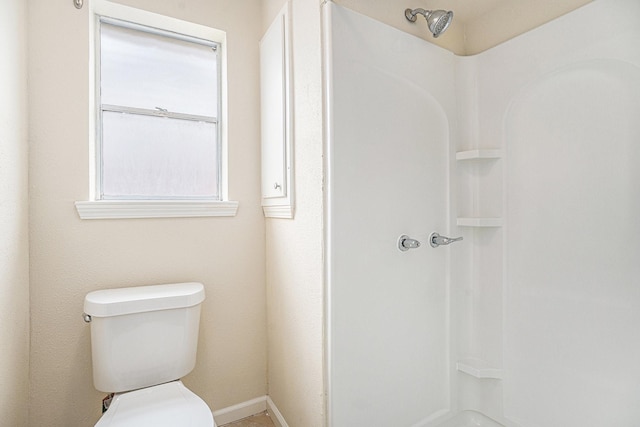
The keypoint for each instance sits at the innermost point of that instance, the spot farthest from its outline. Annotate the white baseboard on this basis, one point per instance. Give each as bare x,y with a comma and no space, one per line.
246,409
241,410
275,414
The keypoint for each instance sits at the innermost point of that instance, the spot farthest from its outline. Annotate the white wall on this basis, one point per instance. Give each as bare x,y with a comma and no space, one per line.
294,247
71,257
549,300
562,274
14,256
392,121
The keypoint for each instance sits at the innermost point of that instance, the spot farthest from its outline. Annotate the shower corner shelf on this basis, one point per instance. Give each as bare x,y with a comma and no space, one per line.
479,222
479,154
479,368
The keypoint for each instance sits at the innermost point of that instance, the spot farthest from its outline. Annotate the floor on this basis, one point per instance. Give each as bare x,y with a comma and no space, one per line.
258,420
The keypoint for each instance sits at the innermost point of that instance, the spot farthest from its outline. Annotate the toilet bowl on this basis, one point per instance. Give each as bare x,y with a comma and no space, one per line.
165,405
143,340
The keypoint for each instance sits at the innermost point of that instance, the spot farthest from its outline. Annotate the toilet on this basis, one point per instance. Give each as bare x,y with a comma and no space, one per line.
143,341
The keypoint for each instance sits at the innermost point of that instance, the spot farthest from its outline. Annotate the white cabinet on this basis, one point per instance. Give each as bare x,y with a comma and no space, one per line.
276,118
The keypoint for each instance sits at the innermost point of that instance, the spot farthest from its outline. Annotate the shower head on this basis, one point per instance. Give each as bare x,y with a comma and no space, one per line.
437,20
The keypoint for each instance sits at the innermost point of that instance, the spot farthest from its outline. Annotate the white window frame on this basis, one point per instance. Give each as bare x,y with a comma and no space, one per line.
95,208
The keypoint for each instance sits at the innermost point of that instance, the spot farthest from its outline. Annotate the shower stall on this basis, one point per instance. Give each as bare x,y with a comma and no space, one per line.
530,151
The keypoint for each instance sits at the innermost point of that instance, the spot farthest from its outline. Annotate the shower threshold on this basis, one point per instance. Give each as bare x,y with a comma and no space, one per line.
470,419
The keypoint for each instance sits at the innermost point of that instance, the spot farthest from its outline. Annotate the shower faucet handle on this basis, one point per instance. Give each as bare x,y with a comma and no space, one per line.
405,243
436,240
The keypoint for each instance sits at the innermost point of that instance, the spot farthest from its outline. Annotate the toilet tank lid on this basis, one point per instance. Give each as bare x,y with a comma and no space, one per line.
140,299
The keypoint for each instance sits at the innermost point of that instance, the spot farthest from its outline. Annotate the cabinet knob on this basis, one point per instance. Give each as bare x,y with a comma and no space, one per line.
276,186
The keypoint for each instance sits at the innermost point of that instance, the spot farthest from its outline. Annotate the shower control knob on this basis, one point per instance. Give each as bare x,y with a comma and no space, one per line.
436,240
405,243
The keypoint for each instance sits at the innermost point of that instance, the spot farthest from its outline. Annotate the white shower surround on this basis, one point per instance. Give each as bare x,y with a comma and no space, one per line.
533,319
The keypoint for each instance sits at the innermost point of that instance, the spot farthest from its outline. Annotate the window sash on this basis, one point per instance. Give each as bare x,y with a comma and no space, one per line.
159,111
153,169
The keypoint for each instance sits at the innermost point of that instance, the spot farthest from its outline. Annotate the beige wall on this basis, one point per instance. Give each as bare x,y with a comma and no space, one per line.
294,247
474,29
511,19
14,251
70,257
392,13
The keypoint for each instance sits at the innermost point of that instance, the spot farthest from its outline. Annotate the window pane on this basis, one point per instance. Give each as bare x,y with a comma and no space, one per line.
158,157
145,70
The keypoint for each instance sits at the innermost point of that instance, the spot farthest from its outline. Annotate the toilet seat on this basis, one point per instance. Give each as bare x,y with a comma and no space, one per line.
164,405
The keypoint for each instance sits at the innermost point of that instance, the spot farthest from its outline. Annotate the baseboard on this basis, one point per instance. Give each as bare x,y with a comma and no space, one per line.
246,409
275,414
241,410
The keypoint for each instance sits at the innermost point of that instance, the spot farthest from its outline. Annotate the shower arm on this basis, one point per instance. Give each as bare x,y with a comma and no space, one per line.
411,15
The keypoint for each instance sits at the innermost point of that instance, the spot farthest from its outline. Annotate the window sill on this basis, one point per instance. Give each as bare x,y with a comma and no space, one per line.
113,209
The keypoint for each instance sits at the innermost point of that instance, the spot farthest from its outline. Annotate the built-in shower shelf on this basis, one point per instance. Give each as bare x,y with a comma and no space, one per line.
479,154
479,368
480,222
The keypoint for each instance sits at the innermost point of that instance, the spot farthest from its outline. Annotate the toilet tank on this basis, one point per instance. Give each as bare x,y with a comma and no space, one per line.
143,336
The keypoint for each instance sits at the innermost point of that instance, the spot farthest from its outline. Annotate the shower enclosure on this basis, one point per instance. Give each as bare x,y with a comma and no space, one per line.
531,152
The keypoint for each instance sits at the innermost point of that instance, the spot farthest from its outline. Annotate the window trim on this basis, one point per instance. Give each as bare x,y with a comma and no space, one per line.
108,209
103,9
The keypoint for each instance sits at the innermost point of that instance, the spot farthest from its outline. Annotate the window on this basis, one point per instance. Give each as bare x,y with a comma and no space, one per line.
158,115
159,140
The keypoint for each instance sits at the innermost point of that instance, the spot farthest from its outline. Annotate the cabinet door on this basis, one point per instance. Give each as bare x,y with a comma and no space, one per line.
275,115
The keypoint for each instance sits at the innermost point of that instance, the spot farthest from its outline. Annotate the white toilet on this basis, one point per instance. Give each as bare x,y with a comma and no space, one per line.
143,340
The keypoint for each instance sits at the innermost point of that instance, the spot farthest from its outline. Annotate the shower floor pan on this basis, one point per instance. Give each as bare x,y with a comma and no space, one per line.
470,419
